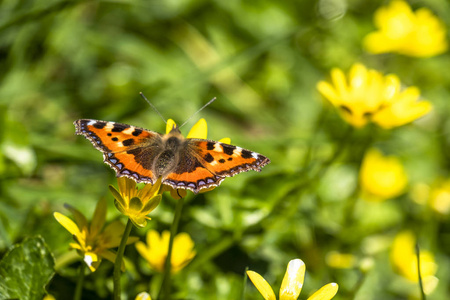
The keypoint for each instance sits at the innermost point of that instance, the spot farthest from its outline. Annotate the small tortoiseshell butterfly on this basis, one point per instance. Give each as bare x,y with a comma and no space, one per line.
145,155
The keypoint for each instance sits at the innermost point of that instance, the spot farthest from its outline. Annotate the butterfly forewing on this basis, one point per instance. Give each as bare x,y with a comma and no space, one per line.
227,160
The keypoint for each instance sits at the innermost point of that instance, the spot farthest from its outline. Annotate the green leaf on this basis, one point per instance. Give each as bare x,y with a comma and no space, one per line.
25,270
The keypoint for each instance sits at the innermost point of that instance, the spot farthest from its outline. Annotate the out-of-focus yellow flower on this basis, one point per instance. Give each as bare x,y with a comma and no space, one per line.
198,131
419,34
382,177
93,240
155,252
339,260
366,95
136,203
49,297
404,259
143,296
420,192
292,284
440,197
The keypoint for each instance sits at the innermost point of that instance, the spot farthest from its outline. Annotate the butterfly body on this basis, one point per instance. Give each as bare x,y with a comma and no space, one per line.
145,155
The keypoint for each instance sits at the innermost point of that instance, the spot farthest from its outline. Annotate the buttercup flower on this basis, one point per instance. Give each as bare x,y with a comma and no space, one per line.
155,252
440,197
339,260
292,284
366,95
404,259
198,131
143,296
382,177
136,203
419,34
93,240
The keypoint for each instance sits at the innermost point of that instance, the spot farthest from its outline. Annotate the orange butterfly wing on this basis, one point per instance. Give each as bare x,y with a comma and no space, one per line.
127,149
205,163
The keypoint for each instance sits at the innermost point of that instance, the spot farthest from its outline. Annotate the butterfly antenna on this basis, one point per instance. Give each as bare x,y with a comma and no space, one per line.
154,108
209,102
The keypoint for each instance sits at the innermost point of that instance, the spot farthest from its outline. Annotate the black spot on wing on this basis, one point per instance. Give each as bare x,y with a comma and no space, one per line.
210,146
228,149
246,153
120,127
128,142
114,139
137,132
99,125
222,160
208,158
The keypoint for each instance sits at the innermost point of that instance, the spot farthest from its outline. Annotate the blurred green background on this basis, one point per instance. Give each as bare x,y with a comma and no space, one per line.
65,60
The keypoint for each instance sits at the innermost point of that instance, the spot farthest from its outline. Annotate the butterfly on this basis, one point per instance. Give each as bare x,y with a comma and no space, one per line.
144,155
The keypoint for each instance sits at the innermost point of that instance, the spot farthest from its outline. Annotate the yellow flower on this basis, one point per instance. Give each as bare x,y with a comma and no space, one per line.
419,34
143,296
292,284
437,196
404,259
440,197
339,260
93,240
155,252
136,203
198,131
367,95
382,177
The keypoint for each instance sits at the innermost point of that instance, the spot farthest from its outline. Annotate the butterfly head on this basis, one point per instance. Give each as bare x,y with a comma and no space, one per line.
175,130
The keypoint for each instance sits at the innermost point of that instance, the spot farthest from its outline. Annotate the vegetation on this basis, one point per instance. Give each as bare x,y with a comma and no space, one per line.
348,99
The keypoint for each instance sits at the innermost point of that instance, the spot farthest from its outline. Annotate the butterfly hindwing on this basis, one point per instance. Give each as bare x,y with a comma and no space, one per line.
190,173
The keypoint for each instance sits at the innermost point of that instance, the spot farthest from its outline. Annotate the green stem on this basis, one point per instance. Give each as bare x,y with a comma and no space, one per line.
244,283
118,262
164,292
418,272
79,287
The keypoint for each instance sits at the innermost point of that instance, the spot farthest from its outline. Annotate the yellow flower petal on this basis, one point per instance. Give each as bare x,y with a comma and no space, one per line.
143,296
67,223
293,280
329,93
199,130
80,219
404,258
170,125
225,140
340,260
155,252
92,260
382,177
326,292
440,197
183,251
261,285
340,82
419,34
